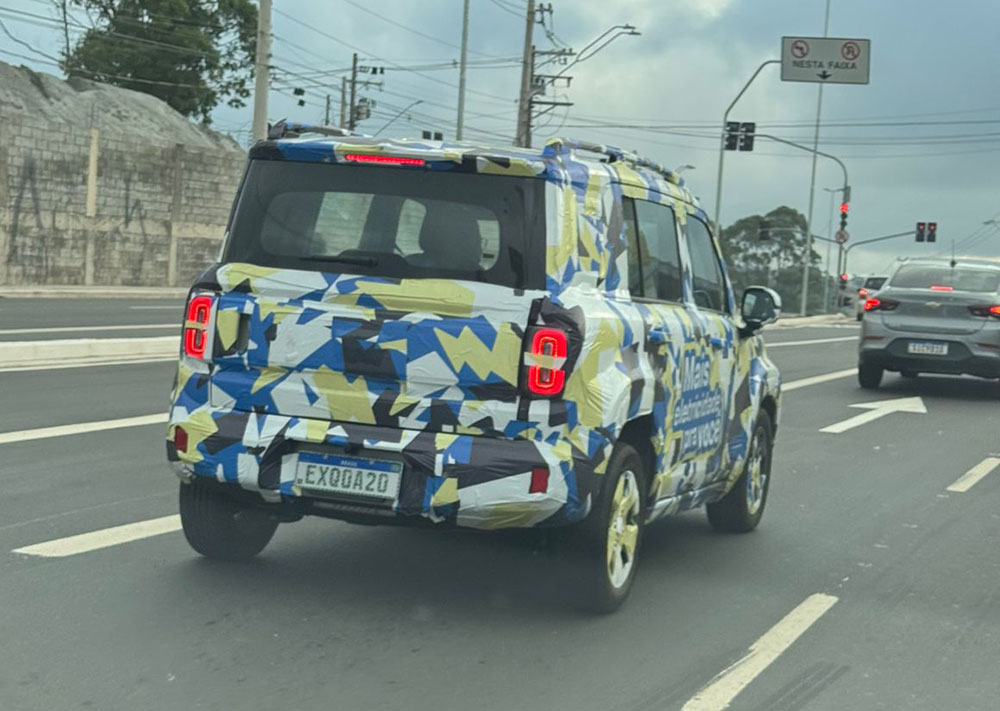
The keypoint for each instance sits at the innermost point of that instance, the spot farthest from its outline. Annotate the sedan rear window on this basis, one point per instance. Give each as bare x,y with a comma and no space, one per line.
392,222
929,276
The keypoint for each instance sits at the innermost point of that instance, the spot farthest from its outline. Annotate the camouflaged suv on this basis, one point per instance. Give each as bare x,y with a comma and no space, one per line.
414,332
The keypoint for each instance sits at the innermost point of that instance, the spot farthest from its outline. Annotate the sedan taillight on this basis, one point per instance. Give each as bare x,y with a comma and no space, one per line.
199,311
985,310
876,304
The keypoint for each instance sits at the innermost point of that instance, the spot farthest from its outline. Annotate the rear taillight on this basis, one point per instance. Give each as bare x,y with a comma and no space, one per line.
545,359
876,304
985,311
199,311
936,287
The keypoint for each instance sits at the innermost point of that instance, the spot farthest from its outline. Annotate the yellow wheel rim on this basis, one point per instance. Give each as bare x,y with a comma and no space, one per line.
623,529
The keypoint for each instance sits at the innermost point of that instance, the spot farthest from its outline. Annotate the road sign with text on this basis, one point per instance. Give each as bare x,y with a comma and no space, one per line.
826,60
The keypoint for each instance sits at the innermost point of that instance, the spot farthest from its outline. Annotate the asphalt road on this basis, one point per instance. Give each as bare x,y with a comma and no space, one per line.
45,319
336,616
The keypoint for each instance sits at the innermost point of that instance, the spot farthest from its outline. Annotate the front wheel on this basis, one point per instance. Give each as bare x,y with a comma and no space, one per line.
741,509
869,376
217,526
603,549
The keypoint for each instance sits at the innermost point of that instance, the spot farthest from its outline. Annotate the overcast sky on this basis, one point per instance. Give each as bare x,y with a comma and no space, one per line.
931,62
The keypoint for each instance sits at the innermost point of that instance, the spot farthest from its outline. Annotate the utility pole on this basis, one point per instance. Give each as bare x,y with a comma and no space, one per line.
343,102
262,71
65,21
461,71
326,115
807,258
527,70
352,111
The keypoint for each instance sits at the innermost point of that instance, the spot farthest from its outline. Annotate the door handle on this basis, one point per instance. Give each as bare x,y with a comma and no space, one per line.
657,335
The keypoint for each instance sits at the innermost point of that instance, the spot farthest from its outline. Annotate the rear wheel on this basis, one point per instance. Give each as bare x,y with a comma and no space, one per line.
858,316
869,376
741,509
603,549
217,526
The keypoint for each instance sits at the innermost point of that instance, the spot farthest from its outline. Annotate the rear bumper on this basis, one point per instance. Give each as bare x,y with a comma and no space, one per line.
962,358
449,479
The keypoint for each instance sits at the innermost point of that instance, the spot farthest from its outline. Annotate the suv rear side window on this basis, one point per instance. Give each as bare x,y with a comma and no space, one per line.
709,286
661,264
392,222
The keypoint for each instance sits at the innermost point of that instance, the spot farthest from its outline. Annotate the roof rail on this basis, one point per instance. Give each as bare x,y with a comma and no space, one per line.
614,155
293,129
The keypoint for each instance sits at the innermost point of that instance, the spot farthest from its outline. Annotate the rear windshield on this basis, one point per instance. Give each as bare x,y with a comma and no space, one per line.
874,282
392,222
926,276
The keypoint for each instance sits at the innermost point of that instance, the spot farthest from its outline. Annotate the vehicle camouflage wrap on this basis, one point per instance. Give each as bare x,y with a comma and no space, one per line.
427,371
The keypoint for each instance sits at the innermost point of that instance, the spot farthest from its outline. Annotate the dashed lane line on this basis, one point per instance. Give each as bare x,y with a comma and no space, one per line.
817,379
81,329
810,342
104,538
81,428
974,475
721,691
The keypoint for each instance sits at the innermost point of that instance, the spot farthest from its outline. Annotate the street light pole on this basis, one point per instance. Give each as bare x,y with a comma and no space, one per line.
722,142
847,251
807,258
829,232
461,72
262,71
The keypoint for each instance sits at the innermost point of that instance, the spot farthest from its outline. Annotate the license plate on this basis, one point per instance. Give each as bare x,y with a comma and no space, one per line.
353,476
925,348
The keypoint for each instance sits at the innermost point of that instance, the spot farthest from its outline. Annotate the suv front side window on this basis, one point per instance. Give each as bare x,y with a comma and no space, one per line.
706,274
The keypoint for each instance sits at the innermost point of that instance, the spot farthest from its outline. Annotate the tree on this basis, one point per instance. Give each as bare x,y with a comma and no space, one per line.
776,262
192,54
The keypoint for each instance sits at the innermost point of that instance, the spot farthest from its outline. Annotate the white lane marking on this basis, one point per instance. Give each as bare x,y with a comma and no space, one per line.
877,409
972,477
782,344
84,363
81,428
81,329
817,379
725,687
105,538
175,307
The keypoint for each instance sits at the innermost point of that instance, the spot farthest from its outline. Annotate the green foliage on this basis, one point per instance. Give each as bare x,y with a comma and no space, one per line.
192,54
777,262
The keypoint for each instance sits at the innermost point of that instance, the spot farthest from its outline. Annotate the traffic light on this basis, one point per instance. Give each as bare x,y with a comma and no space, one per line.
732,135
844,278
747,131
844,208
922,231
932,232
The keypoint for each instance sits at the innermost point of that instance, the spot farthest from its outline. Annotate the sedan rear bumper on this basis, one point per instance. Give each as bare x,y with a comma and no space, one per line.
960,360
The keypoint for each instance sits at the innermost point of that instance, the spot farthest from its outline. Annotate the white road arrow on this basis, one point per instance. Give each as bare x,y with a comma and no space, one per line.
877,409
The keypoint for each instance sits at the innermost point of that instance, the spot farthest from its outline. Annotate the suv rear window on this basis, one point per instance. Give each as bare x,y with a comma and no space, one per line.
874,282
925,276
392,222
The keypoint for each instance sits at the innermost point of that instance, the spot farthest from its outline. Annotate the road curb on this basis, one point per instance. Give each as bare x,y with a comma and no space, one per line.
77,351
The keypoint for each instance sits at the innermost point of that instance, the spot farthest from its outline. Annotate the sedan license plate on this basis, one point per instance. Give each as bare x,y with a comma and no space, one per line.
927,348
354,476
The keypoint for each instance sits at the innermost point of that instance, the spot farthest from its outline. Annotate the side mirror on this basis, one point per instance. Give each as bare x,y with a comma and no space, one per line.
760,306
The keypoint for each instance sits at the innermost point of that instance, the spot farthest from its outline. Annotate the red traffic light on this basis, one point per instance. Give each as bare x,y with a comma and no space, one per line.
845,277
844,207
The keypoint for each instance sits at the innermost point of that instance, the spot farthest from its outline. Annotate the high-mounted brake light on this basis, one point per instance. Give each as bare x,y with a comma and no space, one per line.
550,343
383,160
942,288
199,311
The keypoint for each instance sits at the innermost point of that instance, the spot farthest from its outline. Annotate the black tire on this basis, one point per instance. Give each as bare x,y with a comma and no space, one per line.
858,316
909,374
869,376
740,510
217,526
586,544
